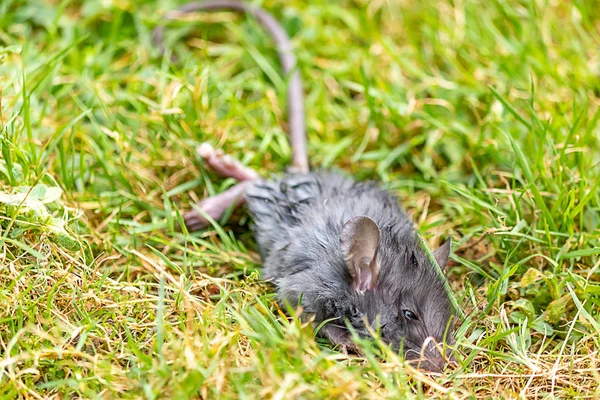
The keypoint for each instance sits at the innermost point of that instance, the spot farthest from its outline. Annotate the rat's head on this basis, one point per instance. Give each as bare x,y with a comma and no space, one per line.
395,285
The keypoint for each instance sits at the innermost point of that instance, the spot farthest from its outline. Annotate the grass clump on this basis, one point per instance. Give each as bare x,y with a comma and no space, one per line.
483,116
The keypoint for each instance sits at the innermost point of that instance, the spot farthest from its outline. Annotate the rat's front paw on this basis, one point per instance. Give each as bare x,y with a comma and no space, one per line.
341,339
349,348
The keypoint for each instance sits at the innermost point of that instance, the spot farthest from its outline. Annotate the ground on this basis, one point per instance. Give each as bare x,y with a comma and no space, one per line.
481,115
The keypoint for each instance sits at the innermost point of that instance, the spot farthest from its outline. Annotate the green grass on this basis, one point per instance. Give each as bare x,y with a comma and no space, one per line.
481,115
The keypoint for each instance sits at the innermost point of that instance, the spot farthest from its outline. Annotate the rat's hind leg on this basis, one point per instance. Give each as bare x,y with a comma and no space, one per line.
225,165
215,206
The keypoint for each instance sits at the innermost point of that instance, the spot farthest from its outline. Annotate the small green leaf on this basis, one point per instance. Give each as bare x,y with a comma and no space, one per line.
16,233
15,172
15,49
539,325
524,305
38,192
531,276
67,242
52,194
557,309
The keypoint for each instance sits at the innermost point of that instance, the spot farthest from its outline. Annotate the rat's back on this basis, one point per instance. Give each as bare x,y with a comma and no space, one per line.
298,218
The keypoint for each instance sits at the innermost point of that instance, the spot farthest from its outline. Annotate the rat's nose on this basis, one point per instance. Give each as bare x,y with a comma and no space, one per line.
433,361
432,364
451,357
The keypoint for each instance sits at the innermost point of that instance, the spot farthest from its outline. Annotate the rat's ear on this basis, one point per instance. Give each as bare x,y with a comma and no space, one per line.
442,253
359,242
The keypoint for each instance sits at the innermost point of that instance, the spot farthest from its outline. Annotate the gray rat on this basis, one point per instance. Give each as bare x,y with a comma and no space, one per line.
341,248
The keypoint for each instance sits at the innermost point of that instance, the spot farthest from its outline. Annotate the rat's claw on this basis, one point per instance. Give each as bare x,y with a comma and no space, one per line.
205,150
228,160
343,349
194,221
349,348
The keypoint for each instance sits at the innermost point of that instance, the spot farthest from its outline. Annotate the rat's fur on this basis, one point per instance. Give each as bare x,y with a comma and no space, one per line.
298,220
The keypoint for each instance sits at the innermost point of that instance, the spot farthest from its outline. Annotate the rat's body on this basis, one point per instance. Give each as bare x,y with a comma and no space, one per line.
299,220
342,249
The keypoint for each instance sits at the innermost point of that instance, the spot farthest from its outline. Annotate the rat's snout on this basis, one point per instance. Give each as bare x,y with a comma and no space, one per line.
434,362
430,364
451,357
432,359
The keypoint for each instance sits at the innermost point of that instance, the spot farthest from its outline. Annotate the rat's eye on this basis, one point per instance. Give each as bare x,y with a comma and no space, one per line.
409,315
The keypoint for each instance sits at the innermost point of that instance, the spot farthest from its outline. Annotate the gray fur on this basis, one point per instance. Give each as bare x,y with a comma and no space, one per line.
298,221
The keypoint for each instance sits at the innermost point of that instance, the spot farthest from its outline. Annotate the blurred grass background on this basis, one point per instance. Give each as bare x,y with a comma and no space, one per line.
481,115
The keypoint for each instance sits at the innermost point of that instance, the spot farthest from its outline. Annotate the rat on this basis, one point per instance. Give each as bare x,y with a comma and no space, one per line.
342,249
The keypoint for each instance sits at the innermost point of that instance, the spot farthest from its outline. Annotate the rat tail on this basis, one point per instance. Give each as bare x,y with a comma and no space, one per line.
297,128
